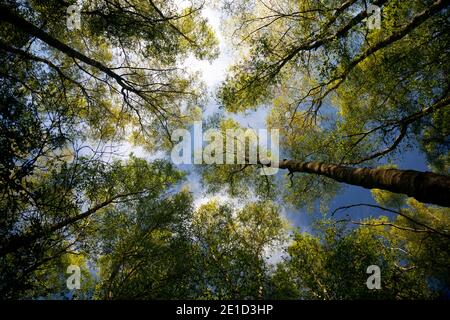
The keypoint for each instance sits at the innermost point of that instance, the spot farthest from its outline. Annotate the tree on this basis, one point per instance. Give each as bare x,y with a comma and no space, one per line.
333,264
162,248
67,99
427,187
99,69
37,242
341,93
145,249
347,99
232,248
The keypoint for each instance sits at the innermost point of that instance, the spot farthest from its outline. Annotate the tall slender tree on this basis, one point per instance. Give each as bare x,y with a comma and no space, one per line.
346,97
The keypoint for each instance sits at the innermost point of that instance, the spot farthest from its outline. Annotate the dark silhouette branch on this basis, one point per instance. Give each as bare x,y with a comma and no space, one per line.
403,124
430,229
19,242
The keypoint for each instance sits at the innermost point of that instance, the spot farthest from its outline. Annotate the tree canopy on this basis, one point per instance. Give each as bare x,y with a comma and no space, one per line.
87,117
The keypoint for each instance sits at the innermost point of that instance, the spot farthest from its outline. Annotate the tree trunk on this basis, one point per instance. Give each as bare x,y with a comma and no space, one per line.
425,187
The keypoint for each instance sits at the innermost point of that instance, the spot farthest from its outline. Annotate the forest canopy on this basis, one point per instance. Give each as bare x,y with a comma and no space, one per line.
93,92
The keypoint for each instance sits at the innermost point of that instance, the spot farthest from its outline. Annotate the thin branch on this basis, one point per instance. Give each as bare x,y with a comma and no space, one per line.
392,211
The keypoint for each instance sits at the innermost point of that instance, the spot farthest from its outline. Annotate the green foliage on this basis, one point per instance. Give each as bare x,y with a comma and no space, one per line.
144,251
72,101
333,265
165,249
231,247
346,97
59,114
238,180
435,142
388,199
